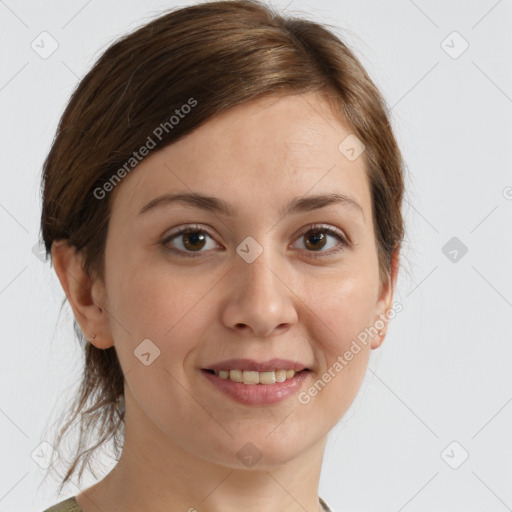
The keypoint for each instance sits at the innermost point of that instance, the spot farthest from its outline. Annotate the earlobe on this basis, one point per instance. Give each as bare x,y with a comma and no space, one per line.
78,287
378,340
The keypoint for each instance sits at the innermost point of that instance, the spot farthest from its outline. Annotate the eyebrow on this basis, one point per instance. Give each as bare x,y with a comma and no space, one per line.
216,205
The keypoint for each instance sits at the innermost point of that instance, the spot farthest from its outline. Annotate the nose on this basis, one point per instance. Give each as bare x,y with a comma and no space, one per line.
259,300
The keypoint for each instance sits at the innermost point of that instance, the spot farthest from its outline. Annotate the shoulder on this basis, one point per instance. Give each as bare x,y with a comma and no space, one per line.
68,505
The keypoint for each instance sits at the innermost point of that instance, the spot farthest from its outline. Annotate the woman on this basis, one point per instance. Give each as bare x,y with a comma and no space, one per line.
222,206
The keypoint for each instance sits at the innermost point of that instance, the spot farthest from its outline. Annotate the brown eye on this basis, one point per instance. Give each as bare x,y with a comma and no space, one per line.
188,241
316,239
194,240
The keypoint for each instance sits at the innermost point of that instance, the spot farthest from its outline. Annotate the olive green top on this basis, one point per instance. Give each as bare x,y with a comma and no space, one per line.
71,505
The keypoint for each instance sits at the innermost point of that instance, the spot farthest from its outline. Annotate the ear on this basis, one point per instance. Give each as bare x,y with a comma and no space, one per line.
385,302
86,297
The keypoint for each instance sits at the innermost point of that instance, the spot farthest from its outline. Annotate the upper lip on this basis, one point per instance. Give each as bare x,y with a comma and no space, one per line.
256,366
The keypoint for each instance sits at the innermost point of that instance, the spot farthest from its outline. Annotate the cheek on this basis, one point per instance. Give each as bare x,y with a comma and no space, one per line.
164,308
345,305
167,307
343,308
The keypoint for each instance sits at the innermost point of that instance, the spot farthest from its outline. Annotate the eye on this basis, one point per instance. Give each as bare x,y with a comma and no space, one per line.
193,239
317,239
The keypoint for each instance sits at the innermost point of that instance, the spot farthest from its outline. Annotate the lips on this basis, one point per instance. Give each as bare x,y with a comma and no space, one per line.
257,394
256,366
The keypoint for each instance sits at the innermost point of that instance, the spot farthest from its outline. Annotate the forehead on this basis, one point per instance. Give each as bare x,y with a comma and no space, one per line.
268,149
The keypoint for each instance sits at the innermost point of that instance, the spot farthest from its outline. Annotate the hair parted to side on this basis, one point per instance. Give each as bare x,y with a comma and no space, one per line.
222,54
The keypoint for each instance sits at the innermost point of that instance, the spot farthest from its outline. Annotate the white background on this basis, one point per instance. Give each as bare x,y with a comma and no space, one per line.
443,373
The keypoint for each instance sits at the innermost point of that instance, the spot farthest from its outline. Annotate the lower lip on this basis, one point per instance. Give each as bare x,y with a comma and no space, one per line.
258,394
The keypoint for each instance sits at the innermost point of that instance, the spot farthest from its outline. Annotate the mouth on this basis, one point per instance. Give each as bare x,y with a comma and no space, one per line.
255,388
252,377
251,371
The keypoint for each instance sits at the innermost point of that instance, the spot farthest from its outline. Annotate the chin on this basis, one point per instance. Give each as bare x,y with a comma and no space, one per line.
259,450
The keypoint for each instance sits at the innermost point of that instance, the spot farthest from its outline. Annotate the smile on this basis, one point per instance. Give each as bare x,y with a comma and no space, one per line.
253,377
253,389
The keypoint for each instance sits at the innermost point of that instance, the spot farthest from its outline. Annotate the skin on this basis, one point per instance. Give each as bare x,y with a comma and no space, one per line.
182,434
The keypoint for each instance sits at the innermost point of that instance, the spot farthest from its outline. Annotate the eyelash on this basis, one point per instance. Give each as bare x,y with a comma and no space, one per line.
315,228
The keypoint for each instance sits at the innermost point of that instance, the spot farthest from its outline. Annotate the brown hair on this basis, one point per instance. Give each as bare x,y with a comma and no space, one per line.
221,53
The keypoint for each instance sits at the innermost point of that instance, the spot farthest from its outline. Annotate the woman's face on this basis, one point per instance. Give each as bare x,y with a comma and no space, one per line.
256,282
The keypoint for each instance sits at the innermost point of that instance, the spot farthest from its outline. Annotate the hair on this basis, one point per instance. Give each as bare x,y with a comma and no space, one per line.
222,54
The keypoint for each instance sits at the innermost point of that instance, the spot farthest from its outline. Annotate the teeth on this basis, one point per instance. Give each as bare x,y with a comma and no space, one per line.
280,375
251,377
